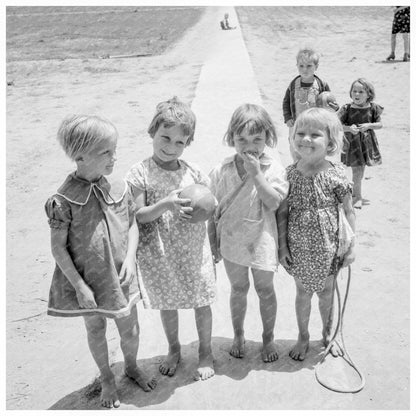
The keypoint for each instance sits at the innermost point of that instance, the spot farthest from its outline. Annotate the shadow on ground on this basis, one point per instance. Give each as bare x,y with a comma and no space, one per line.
87,398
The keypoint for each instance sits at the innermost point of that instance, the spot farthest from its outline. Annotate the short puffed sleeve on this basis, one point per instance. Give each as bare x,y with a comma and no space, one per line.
377,111
58,211
342,185
136,176
213,180
277,178
343,113
203,179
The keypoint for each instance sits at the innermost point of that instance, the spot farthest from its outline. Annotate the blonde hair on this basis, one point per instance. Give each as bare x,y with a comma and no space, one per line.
171,113
324,120
256,119
308,54
78,133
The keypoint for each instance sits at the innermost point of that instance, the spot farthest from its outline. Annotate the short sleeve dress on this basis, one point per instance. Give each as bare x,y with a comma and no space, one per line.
362,148
312,229
174,255
246,227
97,217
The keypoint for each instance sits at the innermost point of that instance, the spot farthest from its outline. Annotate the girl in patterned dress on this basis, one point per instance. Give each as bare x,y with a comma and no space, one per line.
174,254
308,219
94,238
249,187
360,118
401,24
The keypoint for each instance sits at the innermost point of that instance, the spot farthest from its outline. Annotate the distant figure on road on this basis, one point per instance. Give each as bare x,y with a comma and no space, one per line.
401,24
225,25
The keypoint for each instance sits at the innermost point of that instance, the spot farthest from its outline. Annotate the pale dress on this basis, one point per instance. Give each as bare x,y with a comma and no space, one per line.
174,255
246,229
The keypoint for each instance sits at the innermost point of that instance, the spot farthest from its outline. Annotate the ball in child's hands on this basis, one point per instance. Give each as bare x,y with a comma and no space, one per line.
202,201
327,100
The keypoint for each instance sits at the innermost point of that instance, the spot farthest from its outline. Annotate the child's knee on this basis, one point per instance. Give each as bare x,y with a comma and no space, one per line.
240,288
265,291
96,327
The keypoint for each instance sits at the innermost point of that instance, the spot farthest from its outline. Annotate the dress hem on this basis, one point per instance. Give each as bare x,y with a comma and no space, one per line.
120,313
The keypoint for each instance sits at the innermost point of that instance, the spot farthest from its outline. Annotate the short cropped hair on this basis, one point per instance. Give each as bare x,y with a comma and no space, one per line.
307,54
368,86
171,113
79,133
256,119
324,120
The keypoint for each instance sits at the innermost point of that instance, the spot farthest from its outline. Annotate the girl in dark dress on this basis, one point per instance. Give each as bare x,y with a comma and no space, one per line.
94,237
360,118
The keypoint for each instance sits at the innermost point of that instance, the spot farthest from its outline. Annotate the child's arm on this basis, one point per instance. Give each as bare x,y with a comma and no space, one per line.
212,235
59,240
350,215
151,212
269,196
369,126
284,254
351,129
128,269
287,112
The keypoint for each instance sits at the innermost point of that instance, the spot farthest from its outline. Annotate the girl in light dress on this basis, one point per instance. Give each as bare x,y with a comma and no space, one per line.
94,238
249,187
174,254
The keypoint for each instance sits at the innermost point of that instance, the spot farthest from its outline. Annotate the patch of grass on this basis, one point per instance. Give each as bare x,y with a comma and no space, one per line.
36,33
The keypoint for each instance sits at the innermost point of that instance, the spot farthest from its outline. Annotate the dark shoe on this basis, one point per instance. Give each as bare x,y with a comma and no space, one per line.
391,57
406,57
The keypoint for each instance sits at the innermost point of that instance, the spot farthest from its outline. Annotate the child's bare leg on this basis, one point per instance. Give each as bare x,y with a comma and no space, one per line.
128,329
326,308
263,282
303,312
203,318
96,328
170,325
357,178
238,276
406,41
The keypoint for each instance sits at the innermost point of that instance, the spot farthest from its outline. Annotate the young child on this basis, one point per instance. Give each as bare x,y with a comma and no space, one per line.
304,89
174,254
94,237
249,187
308,220
360,118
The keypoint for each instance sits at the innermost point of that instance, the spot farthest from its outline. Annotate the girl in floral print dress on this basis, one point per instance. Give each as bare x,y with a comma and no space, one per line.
308,220
174,254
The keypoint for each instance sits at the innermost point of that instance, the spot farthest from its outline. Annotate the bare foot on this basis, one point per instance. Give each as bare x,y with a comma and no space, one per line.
358,204
143,380
300,349
238,348
109,397
205,367
168,367
335,350
269,352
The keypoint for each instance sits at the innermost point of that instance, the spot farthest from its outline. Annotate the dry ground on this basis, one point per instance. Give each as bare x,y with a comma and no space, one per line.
48,363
